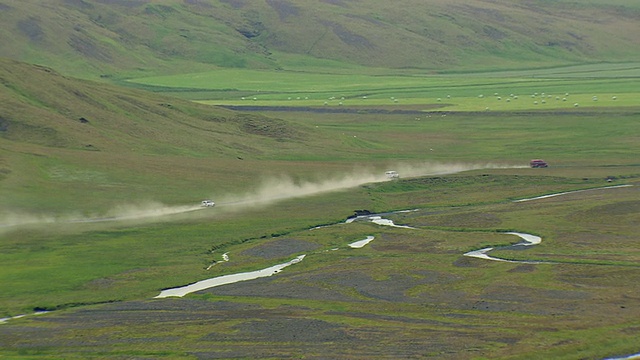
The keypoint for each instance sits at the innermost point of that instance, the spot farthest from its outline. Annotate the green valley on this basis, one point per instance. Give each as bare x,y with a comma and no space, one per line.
119,117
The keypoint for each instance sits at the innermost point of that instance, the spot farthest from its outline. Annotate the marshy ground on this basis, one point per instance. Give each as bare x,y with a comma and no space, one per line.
410,293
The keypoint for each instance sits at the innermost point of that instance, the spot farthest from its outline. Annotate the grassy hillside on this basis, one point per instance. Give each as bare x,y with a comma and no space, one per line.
63,139
138,37
45,108
64,136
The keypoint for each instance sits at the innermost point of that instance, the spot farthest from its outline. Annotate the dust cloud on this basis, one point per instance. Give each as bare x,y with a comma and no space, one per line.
147,210
129,212
276,189
270,191
23,219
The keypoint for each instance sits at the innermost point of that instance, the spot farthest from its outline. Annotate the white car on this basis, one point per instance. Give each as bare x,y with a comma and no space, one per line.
208,203
392,174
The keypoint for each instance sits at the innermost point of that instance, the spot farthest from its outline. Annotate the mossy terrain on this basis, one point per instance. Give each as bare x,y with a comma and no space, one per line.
384,299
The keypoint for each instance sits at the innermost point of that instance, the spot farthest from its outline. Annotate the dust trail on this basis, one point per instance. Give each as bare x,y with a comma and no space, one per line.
18,219
270,191
129,212
14,220
142,211
283,188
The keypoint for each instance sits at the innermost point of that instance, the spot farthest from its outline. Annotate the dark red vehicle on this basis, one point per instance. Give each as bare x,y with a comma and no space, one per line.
538,163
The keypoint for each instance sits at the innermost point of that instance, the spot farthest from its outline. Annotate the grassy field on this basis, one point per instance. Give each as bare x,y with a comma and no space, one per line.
355,302
100,231
597,85
583,305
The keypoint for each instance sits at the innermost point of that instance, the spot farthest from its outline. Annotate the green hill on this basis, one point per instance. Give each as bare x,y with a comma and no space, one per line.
114,38
60,135
42,107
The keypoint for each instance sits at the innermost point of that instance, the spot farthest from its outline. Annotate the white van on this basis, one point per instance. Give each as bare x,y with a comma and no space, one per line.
208,203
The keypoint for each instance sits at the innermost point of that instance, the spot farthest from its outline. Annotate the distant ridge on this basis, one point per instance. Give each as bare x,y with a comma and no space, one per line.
92,38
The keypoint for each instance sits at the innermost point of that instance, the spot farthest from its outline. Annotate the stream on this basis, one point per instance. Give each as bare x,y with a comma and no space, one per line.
226,279
528,240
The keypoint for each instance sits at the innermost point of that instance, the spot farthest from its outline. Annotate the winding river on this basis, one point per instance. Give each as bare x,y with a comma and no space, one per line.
528,240
226,279
361,243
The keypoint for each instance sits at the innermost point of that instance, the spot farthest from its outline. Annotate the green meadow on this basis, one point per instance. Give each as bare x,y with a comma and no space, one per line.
99,215
283,194
603,85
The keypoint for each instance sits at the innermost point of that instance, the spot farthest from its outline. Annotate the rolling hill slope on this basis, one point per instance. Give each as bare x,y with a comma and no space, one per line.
42,107
66,138
114,38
